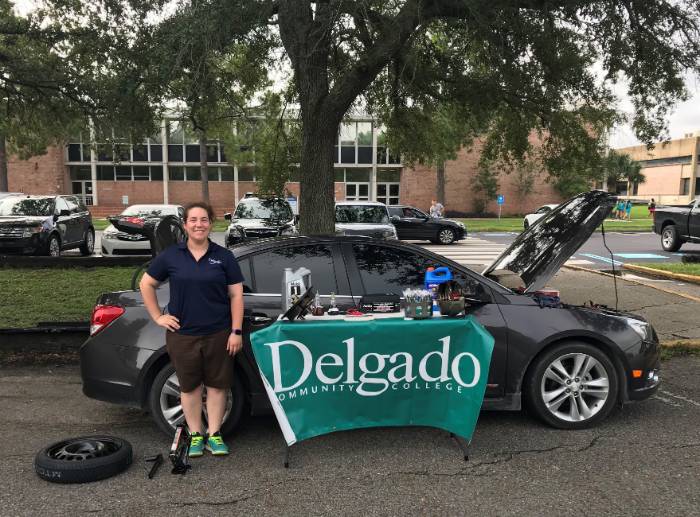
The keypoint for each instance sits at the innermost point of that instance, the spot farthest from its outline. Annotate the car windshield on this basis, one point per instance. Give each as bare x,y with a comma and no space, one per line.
149,211
25,206
272,209
363,214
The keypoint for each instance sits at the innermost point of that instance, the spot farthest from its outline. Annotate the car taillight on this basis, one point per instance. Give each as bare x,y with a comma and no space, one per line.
103,315
138,221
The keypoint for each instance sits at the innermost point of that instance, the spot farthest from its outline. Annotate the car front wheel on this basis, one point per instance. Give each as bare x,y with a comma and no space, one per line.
88,245
572,386
670,241
166,408
446,236
53,248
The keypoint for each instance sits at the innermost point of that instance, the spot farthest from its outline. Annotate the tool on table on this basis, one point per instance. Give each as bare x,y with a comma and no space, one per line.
179,451
157,461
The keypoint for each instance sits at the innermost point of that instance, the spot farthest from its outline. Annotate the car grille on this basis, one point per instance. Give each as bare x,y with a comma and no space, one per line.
122,236
257,233
131,252
11,232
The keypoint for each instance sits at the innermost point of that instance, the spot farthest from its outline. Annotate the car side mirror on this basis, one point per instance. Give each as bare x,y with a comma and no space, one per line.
227,216
62,213
475,294
394,218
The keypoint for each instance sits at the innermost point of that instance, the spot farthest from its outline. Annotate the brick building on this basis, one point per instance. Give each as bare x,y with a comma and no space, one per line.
165,169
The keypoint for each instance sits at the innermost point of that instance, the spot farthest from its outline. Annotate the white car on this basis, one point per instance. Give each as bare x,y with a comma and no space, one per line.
531,219
364,218
116,243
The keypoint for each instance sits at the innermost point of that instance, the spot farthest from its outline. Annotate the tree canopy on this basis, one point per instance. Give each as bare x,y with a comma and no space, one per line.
527,77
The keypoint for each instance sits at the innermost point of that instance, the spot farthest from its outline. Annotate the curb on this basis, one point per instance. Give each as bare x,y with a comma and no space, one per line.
667,291
659,273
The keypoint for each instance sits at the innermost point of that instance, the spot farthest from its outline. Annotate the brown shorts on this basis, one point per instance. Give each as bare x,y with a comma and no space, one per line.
201,359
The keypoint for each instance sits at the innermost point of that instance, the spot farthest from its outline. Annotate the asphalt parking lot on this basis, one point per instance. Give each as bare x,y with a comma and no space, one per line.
642,460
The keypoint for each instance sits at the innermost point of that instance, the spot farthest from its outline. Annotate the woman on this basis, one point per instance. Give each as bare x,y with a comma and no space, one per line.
203,323
651,207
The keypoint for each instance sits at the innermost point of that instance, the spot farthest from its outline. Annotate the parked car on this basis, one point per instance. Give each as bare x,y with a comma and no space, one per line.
256,218
531,219
571,364
45,225
119,243
412,224
367,218
677,225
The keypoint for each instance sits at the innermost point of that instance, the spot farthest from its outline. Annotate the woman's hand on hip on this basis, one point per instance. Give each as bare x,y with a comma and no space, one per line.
234,344
168,321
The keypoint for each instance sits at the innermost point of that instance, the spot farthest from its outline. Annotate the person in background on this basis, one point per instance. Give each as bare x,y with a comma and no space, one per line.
619,209
204,322
436,208
651,207
628,210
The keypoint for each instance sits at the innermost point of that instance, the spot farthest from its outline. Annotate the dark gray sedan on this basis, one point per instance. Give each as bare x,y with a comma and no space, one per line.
572,365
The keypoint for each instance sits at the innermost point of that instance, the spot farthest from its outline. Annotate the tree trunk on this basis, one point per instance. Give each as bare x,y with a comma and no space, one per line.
317,196
204,168
3,165
440,186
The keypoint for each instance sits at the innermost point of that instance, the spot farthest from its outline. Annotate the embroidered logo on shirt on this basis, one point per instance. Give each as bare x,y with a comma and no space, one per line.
214,261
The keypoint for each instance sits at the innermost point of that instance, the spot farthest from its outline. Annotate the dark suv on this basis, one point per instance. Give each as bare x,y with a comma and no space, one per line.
45,225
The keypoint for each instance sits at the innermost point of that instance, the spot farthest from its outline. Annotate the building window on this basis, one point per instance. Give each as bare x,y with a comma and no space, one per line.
357,175
685,186
364,142
193,174
123,172
176,174
388,193
697,186
348,134
74,153
357,191
157,173
226,173
80,172
105,172
621,188
388,175
246,173
141,173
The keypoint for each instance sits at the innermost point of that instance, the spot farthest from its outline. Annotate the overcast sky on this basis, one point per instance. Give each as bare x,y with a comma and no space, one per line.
684,119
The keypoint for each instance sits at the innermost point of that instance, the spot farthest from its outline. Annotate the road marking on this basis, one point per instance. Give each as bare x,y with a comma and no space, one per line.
667,401
640,256
578,262
602,259
681,397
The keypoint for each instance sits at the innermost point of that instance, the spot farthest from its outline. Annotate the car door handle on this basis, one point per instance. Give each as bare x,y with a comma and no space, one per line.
259,319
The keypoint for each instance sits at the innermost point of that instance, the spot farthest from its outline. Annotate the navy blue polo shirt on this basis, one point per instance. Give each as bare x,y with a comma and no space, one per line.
198,290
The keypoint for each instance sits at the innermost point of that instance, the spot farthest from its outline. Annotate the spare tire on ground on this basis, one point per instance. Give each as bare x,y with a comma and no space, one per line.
83,459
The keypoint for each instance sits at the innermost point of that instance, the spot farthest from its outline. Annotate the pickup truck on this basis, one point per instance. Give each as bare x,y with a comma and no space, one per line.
677,225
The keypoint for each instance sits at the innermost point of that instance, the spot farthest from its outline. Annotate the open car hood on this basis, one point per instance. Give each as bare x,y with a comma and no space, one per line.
162,231
538,252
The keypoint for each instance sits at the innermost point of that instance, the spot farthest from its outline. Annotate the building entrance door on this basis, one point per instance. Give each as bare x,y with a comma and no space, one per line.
83,189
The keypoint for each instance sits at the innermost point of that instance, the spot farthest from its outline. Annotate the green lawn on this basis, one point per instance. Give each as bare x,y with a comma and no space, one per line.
31,296
685,269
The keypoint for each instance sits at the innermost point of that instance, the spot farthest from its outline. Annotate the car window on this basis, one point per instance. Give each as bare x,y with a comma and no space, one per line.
395,211
361,214
415,213
269,268
72,204
61,205
272,209
384,269
244,264
26,206
543,210
180,212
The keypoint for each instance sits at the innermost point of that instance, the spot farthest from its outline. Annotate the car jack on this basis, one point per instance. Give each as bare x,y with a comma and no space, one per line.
179,451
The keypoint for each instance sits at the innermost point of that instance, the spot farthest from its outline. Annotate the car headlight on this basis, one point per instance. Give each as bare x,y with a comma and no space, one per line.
288,230
234,231
109,236
389,234
642,328
31,230
461,224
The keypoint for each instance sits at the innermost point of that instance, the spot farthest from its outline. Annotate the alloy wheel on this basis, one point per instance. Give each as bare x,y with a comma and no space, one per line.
446,236
54,248
82,449
667,238
90,242
575,387
171,406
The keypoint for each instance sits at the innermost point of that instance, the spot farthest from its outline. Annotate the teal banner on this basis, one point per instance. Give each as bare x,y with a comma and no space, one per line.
326,376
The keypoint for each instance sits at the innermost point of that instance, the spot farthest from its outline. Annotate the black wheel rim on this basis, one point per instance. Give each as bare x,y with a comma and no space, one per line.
82,449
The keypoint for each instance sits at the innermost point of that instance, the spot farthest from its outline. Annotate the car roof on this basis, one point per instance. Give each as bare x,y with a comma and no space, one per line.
354,203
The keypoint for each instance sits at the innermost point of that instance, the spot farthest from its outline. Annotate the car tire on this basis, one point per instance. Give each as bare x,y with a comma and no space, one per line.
445,236
165,396
88,245
566,398
53,247
83,459
670,241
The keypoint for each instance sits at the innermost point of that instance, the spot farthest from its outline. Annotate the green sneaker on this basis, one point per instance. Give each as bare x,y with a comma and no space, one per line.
215,445
196,445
